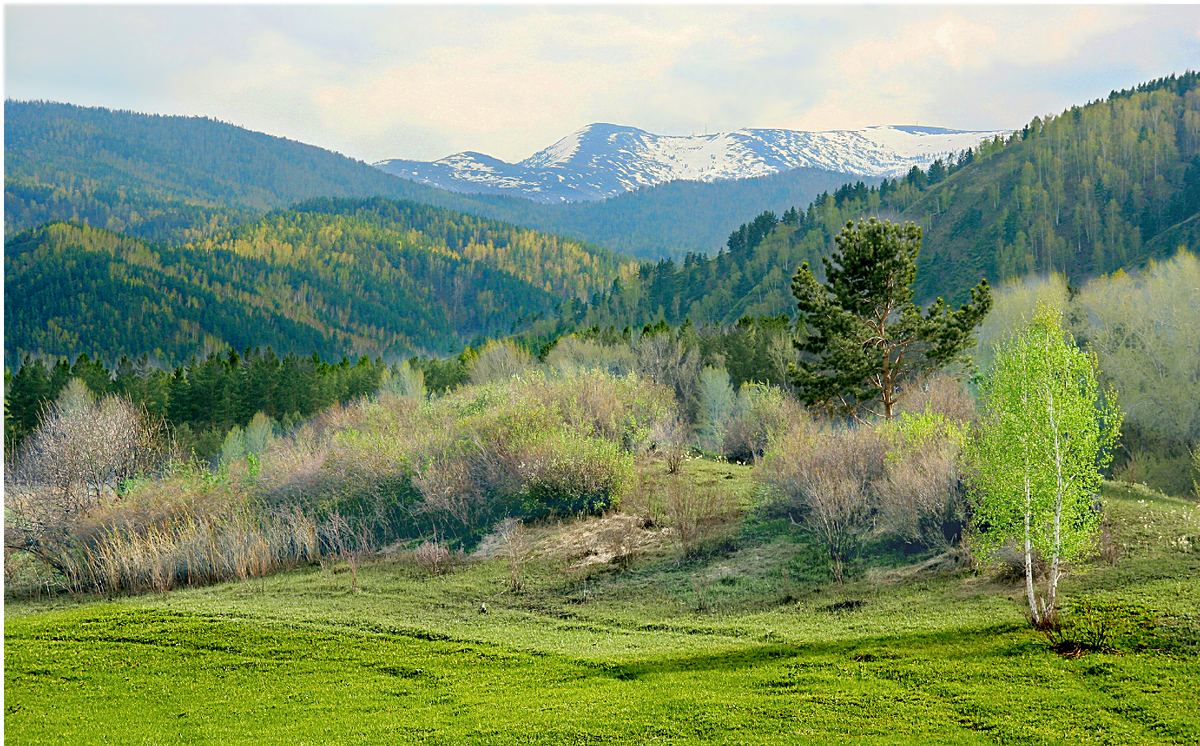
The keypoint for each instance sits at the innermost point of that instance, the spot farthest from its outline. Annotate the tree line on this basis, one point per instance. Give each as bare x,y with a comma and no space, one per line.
201,401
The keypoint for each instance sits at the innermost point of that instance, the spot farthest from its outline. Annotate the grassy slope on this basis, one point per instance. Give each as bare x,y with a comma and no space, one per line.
606,656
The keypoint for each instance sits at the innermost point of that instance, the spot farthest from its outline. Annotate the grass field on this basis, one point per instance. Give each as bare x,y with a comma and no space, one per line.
747,641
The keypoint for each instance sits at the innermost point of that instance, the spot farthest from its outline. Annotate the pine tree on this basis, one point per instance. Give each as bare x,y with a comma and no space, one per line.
866,339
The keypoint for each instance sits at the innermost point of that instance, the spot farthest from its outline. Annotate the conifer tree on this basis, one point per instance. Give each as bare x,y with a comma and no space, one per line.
866,340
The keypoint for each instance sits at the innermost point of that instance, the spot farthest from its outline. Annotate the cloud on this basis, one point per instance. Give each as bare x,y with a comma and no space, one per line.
424,81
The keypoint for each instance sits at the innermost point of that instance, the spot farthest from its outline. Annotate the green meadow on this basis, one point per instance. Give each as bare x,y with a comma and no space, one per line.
744,640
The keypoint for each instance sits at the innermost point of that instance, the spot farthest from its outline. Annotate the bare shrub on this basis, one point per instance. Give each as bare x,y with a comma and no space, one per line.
1010,564
696,511
644,501
827,478
514,542
921,498
621,537
433,557
500,361
666,361
620,409
196,548
940,394
79,459
448,487
670,437
761,414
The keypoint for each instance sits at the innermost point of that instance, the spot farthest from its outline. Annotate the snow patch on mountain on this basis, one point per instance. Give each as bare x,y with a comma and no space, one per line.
604,160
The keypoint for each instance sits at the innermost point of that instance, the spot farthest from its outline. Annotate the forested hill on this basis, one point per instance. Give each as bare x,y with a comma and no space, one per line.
1100,187
335,277
1096,188
176,179
193,159
168,178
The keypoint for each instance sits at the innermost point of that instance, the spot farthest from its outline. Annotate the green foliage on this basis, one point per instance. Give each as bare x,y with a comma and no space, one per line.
1108,625
866,339
1146,337
119,157
911,432
297,281
570,474
1041,452
755,349
1141,327
1013,304
1091,190
204,400
717,404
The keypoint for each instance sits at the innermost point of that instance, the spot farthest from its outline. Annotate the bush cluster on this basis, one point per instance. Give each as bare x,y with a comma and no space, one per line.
356,476
848,485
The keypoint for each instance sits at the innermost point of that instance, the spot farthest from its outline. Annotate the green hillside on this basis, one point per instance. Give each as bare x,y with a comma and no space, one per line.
1101,187
175,179
1094,189
349,277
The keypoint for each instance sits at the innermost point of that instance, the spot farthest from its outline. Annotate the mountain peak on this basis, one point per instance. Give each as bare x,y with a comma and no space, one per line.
603,160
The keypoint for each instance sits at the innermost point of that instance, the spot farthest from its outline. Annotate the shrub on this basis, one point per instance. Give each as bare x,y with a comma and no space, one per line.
921,497
695,511
432,557
569,473
620,409
514,544
572,356
666,361
80,459
1092,624
500,361
940,395
762,413
404,381
716,407
670,437
827,478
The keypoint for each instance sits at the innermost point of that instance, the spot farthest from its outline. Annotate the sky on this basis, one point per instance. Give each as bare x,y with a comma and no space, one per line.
424,81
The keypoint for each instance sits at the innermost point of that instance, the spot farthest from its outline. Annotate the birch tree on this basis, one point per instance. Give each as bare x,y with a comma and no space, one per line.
1040,453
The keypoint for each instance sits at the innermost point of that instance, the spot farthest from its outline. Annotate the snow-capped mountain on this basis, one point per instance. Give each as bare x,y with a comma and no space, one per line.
604,160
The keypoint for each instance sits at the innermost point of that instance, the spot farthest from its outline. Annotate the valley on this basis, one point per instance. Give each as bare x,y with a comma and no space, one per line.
767,436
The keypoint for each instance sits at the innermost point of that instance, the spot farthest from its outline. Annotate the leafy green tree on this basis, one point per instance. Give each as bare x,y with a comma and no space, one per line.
866,339
1039,456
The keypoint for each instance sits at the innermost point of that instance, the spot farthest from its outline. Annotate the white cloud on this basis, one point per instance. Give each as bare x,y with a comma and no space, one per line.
424,81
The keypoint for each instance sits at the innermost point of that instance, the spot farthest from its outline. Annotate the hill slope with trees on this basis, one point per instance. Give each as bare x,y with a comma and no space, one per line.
371,277
1101,187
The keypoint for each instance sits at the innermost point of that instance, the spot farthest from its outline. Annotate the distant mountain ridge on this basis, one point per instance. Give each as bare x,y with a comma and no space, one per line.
606,160
177,179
